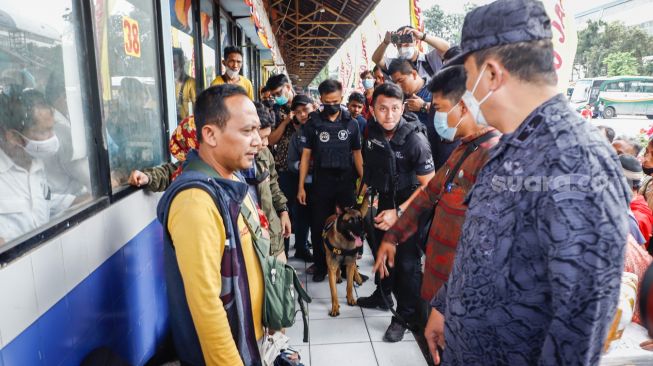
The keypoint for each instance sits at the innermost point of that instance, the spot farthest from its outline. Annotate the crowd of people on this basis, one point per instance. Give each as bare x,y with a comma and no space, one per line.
525,215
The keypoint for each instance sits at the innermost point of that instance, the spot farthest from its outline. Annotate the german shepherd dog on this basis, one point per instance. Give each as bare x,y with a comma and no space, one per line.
342,238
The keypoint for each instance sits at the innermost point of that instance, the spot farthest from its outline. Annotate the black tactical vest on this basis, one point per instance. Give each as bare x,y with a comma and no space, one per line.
333,142
380,171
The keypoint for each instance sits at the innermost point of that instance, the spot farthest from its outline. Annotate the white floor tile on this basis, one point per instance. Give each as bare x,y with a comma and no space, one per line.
375,312
296,332
376,326
351,354
401,353
343,330
320,308
321,290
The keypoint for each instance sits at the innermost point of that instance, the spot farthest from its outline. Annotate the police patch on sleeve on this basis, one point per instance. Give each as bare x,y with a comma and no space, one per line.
343,134
324,136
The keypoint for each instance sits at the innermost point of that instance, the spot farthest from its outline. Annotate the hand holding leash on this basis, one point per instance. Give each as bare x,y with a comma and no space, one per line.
387,252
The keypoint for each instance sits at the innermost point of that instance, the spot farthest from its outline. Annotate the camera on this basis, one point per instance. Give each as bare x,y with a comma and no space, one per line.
397,38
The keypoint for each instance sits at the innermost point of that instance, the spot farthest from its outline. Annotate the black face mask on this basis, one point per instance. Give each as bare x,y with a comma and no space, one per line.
648,171
331,109
269,103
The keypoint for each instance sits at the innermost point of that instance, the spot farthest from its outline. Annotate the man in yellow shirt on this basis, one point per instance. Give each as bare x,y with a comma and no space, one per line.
213,274
233,62
185,88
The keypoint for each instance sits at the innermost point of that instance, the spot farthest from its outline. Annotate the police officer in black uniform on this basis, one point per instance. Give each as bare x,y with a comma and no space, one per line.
398,161
334,143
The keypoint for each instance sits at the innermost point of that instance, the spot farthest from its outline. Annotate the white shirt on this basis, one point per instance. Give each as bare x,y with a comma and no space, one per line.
26,202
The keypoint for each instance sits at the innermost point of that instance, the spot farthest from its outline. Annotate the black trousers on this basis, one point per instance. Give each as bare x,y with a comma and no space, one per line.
405,279
329,190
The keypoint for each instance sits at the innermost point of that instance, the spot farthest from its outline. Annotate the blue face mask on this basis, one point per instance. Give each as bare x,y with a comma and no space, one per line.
281,100
368,84
442,126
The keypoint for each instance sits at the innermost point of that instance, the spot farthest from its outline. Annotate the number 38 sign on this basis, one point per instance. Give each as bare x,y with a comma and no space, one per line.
131,38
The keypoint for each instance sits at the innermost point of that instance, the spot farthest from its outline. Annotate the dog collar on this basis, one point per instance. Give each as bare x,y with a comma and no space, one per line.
334,250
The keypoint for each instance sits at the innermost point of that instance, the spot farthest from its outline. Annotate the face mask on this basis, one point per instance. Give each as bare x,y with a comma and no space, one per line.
648,171
281,100
368,84
231,73
331,109
473,104
442,126
268,103
406,53
41,149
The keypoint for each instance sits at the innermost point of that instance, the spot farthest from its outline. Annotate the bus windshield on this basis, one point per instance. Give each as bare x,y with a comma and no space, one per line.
581,91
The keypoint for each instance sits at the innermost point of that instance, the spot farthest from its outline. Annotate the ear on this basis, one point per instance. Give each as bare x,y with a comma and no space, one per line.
495,71
463,107
339,210
13,137
209,136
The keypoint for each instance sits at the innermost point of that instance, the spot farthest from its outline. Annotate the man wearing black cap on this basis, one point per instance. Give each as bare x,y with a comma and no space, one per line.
538,266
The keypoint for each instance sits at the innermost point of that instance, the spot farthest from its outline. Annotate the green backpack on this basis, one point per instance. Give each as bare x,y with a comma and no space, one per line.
282,286
281,281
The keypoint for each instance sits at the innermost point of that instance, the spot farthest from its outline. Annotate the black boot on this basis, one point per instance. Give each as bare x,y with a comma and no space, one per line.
395,331
304,254
375,301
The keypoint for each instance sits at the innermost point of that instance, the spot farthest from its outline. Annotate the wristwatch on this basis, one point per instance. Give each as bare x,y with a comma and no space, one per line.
399,212
423,109
283,209
423,36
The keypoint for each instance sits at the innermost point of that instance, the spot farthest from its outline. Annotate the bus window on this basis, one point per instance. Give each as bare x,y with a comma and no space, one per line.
46,159
581,91
208,41
183,43
130,85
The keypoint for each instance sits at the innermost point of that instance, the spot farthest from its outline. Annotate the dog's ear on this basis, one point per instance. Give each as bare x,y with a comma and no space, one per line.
339,210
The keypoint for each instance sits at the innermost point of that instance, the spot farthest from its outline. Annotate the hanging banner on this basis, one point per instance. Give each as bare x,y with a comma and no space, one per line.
416,20
565,41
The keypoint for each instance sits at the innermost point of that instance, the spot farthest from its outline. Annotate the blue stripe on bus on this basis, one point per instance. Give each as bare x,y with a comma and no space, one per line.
121,305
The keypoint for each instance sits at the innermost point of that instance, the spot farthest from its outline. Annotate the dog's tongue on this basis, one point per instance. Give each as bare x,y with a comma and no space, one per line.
359,241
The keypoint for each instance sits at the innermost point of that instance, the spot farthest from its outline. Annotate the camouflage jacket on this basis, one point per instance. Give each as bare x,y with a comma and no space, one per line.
271,198
159,176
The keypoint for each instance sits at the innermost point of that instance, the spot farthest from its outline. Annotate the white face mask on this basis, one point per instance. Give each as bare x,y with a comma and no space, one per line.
232,73
407,53
41,149
473,104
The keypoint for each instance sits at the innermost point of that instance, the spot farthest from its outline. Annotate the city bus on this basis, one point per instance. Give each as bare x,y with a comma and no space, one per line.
622,95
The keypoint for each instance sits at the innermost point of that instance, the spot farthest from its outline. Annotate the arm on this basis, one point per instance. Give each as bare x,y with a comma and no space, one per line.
423,182
275,136
303,172
583,235
199,265
279,200
377,56
438,43
358,162
158,177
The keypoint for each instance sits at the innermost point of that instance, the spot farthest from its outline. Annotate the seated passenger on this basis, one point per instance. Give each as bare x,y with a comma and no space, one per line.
26,137
213,274
185,88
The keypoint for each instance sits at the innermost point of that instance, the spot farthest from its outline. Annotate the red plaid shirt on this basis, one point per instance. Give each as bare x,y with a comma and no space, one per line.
449,214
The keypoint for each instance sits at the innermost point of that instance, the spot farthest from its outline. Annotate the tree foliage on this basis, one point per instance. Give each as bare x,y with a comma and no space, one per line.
443,25
602,46
621,63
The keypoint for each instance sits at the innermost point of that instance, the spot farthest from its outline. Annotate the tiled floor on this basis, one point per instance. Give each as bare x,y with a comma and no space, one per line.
355,336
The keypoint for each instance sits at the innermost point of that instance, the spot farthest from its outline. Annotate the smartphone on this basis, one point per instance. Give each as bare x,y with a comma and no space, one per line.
397,38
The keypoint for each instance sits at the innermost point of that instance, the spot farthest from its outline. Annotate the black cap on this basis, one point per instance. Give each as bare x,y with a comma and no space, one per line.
300,99
503,22
631,168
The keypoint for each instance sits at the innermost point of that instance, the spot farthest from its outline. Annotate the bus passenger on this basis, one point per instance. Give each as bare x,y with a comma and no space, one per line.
185,87
26,138
213,275
233,62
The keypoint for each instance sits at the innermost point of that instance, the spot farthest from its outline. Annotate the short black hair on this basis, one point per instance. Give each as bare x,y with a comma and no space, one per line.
376,68
365,73
277,81
229,50
263,115
329,86
357,97
529,61
210,108
389,90
179,53
609,132
404,27
264,89
452,52
401,66
450,82
17,109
